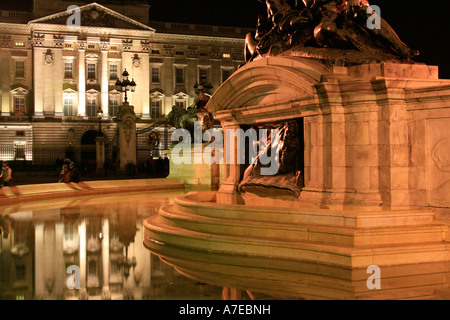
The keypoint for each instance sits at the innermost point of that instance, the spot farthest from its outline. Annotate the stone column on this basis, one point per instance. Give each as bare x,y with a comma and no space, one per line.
227,193
104,83
5,82
38,71
81,82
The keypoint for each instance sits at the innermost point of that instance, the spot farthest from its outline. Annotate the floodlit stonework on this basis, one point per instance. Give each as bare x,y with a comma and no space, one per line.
375,182
55,76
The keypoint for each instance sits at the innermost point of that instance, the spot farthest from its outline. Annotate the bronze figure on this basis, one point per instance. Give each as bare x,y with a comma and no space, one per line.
337,24
288,179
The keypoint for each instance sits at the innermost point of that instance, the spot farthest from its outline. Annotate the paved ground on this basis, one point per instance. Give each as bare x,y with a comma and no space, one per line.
36,177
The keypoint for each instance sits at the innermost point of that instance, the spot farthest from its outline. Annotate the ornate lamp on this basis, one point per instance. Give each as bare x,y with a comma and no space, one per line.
99,117
125,85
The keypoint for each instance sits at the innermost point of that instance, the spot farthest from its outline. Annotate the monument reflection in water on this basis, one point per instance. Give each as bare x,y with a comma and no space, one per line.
47,237
102,235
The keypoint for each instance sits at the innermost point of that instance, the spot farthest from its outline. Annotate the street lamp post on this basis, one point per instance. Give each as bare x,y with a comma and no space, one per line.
100,142
99,117
125,85
127,126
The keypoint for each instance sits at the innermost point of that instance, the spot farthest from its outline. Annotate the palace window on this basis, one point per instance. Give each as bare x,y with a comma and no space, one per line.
113,107
68,70
91,71
156,109
68,106
180,103
113,72
155,74
179,75
226,73
20,69
203,75
19,106
91,109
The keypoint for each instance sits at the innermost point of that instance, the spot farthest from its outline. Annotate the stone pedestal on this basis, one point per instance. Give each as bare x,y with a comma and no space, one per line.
194,172
372,138
376,171
127,138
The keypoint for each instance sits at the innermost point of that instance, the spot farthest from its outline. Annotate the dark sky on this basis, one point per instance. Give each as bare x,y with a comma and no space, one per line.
422,25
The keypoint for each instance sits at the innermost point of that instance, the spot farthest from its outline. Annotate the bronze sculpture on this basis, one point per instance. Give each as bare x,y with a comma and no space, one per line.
288,178
339,24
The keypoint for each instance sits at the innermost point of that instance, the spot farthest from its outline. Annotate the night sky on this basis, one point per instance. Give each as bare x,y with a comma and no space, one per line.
422,25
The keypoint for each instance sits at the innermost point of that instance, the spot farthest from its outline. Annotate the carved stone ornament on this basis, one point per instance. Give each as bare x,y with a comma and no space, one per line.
58,41
38,40
48,57
5,41
127,44
145,46
136,61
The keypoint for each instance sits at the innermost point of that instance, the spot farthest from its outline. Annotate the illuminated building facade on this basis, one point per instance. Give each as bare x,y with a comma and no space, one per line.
55,75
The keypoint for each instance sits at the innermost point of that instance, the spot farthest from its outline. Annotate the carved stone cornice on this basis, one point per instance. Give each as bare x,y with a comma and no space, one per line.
81,43
168,50
145,45
37,40
192,52
58,41
104,45
127,44
5,41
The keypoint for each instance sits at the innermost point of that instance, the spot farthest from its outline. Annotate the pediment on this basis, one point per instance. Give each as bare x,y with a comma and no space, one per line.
17,89
94,15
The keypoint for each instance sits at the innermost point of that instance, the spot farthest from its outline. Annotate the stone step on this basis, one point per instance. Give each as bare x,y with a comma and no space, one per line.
312,233
313,283
158,231
206,206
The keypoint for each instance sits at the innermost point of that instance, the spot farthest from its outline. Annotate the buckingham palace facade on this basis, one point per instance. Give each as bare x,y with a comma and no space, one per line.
58,67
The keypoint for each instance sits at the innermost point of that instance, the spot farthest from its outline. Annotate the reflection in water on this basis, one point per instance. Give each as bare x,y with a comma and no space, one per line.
103,236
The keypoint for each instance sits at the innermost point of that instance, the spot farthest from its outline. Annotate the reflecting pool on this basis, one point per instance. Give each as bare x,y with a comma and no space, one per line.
92,247
88,248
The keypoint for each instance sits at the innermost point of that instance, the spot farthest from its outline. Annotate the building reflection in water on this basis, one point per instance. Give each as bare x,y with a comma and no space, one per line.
101,235
104,237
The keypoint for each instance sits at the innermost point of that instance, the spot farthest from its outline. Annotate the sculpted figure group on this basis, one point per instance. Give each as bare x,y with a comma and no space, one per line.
321,23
